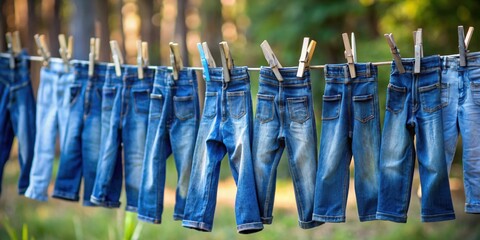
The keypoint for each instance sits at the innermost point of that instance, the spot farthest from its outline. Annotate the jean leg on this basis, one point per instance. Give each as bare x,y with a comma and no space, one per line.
6,130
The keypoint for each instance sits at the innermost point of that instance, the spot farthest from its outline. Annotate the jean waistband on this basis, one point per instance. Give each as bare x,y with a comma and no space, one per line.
21,62
289,75
81,71
430,63
342,71
236,74
129,76
164,77
453,61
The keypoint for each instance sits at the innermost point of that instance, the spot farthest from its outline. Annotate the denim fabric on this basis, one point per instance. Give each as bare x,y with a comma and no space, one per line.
53,104
226,127
461,115
414,110
350,126
285,118
172,128
125,106
17,116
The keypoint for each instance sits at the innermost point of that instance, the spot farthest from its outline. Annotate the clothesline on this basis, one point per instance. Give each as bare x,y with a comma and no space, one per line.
40,59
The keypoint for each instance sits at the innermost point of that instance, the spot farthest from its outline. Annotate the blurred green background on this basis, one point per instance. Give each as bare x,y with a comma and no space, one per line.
244,24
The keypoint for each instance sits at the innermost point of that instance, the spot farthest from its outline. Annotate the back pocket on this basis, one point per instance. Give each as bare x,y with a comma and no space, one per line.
183,107
430,97
210,106
298,109
265,108
74,93
395,98
236,104
331,107
108,97
363,108
475,88
156,105
142,100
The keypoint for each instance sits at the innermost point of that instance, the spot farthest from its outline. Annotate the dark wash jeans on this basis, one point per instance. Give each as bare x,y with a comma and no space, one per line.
414,109
285,119
226,127
172,128
125,106
350,127
17,116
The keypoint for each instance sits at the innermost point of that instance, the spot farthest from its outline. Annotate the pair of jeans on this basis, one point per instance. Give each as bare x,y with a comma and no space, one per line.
172,128
17,116
226,127
53,104
285,118
461,116
350,127
414,109
125,106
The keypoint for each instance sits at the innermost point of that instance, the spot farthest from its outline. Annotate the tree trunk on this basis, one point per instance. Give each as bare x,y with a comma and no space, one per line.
3,26
82,27
31,29
212,26
150,32
103,31
181,29
53,23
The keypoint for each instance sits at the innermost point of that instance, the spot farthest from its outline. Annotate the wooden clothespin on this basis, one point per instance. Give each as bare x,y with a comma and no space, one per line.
417,37
395,52
94,55
271,59
65,50
227,60
463,42
349,55
175,59
42,48
208,55
308,48
117,57
16,44
206,59
8,37
140,59
354,47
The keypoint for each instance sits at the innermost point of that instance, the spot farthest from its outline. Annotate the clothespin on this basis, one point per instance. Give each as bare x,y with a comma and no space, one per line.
94,55
139,59
65,50
418,49
117,57
463,42
175,59
354,47
16,44
395,52
42,48
308,47
349,55
227,60
145,55
8,37
206,59
271,59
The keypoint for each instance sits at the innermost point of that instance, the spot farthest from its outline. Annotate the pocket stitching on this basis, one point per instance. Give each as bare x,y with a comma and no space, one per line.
156,98
135,92
397,89
243,111
370,99
79,87
331,98
303,100
210,95
271,99
182,99
426,89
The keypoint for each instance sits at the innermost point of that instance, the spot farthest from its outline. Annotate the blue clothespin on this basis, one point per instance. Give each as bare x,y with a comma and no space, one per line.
206,59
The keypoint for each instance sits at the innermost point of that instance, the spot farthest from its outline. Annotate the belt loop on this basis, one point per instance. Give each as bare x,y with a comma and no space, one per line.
369,66
325,71
345,73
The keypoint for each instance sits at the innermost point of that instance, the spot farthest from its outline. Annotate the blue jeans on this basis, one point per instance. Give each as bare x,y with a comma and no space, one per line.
172,128
53,104
350,127
17,116
125,106
225,127
414,108
461,115
285,118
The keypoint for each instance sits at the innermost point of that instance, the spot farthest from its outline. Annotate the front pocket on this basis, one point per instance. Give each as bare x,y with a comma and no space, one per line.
430,97
363,109
265,108
183,107
475,88
236,104
298,109
142,100
395,98
156,105
108,97
445,94
331,107
74,93
210,106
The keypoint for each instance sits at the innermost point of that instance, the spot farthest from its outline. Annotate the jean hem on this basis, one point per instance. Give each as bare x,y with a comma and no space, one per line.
330,219
472,208
309,224
65,196
248,228
267,220
149,219
131,208
368,218
37,197
199,226
103,203
88,203
391,217
177,217
21,191
438,217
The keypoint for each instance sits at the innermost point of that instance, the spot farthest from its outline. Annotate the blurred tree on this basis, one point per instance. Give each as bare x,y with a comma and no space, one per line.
211,28
148,31
82,27
53,21
3,25
181,29
102,28
31,28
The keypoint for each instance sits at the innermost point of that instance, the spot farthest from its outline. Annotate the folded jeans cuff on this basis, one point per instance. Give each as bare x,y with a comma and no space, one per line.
103,203
391,217
149,219
331,219
472,208
199,226
267,220
65,195
309,224
247,228
32,194
438,217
